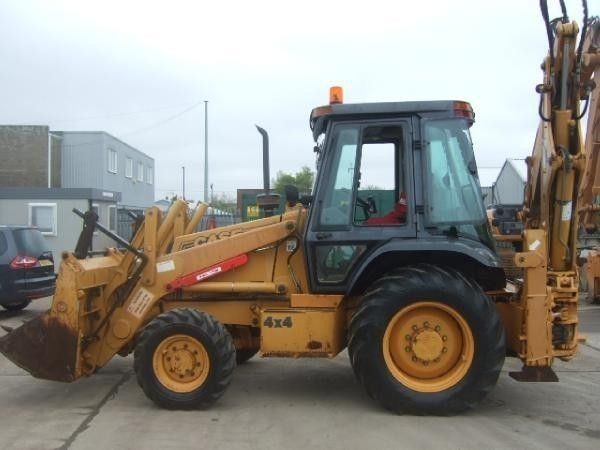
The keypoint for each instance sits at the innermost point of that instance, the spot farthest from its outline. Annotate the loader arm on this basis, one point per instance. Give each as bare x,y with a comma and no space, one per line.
127,319
87,293
100,303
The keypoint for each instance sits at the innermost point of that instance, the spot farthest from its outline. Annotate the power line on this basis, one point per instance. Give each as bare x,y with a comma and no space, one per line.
141,130
108,116
162,122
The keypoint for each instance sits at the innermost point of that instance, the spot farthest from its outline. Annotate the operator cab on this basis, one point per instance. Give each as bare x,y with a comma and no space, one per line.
394,178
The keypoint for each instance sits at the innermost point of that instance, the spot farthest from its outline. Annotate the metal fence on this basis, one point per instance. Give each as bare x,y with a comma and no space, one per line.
126,221
210,221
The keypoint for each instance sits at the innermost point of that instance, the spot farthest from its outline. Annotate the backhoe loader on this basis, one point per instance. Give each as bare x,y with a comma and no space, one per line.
391,256
589,199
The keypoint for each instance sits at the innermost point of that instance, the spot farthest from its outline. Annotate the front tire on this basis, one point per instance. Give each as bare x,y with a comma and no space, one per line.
426,340
184,359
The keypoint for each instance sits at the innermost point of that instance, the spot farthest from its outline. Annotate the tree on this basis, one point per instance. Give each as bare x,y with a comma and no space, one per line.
303,180
224,202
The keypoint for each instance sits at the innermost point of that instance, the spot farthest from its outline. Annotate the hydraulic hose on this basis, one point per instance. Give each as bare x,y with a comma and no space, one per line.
583,33
545,15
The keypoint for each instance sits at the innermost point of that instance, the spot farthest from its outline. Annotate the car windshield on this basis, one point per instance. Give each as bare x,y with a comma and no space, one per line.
30,242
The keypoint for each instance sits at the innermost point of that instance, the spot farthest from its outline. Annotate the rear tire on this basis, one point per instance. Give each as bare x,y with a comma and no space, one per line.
17,306
426,340
184,359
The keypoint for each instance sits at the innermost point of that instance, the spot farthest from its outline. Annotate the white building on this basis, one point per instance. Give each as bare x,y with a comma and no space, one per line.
506,185
509,188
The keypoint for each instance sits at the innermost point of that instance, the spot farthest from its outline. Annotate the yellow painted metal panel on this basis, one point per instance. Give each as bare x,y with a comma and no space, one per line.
315,301
293,332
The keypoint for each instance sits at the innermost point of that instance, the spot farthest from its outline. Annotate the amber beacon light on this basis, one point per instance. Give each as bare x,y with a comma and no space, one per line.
336,95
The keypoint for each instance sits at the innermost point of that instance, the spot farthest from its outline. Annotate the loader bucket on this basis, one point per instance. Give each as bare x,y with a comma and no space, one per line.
48,346
45,347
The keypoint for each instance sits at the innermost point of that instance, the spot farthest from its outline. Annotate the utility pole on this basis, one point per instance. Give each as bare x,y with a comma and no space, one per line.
206,151
183,181
50,136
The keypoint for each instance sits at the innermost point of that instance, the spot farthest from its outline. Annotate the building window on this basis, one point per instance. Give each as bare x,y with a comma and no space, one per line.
43,216
140,172
112,218
129,168
149,175
112,160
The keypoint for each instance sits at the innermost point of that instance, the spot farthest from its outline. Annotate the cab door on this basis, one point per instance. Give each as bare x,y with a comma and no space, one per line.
364,197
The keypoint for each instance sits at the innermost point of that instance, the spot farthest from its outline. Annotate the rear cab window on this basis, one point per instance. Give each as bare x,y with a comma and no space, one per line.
30,242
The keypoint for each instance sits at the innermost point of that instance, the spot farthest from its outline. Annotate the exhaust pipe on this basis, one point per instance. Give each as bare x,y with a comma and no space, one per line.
265,140
267,202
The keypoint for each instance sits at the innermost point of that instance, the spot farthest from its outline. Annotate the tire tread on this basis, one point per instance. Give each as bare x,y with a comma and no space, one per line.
223,359
397,289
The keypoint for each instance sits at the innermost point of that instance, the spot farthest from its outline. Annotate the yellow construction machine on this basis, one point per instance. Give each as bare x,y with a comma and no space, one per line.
589,196
391,257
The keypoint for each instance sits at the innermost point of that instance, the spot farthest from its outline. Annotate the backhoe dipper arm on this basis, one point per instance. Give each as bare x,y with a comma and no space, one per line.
545,316
589,207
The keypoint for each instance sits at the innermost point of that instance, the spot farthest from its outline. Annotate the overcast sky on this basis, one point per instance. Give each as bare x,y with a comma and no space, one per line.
132,68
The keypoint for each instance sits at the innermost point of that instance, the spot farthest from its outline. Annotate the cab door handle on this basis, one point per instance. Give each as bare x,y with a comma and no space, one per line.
321,236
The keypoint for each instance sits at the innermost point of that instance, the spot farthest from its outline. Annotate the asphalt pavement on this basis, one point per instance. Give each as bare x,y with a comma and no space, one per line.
296,404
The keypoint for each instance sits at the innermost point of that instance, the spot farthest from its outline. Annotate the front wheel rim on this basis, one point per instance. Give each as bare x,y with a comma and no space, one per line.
428,346
181,363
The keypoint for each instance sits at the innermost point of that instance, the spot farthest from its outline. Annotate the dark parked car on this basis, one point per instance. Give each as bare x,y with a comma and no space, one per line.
26,267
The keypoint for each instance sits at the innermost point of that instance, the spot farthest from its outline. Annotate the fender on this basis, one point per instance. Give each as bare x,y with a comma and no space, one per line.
436,249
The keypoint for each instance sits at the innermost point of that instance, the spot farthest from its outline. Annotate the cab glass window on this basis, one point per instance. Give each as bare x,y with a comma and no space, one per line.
452,188
334,262
337,203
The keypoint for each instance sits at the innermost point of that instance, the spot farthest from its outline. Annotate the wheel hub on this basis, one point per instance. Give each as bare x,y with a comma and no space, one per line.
428,346
181,363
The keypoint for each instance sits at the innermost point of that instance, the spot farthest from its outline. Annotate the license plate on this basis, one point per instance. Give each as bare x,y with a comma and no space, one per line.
46,262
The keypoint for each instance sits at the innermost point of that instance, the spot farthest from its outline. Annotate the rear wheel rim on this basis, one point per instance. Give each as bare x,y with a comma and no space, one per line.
428,346
181,363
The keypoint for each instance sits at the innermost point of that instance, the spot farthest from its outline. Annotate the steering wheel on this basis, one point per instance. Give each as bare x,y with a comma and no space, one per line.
368,206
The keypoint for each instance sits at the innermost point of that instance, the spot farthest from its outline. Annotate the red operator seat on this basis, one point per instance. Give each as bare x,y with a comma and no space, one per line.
395,216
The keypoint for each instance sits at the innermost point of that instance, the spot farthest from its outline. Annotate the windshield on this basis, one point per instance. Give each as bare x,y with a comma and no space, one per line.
337,202
453,194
